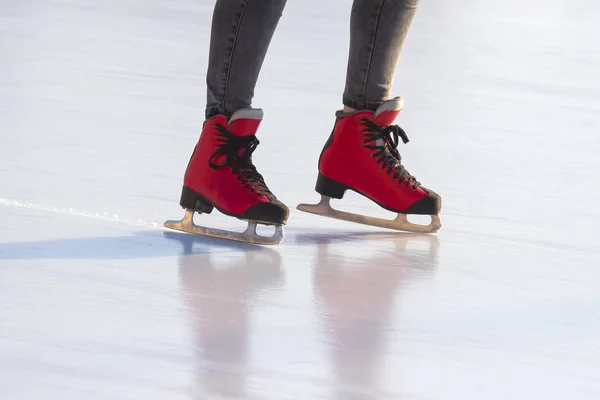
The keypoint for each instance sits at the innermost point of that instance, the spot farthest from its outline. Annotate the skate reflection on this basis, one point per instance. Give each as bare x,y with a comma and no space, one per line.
218,292
354,294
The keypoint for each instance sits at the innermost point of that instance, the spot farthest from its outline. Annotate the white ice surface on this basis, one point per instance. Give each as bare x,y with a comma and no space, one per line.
100,106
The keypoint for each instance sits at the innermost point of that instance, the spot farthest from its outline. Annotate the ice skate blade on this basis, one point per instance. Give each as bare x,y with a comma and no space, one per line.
400,223
248,236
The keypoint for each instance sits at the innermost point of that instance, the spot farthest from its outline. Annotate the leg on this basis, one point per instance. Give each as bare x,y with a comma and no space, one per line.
377,32
361,153
240,36
220,174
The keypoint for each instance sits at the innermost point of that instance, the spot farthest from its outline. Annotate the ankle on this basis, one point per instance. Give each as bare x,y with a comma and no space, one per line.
348,110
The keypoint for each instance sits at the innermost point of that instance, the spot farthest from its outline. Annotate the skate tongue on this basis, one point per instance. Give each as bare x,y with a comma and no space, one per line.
388,111
245,121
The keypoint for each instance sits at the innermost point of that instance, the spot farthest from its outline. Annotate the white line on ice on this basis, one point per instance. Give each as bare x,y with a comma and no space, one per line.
71,211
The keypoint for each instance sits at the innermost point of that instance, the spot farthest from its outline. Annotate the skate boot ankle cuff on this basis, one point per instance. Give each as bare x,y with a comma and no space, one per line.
388,111
245,121
384,115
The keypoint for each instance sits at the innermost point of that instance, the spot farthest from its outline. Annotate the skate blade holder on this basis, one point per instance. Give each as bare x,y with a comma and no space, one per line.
400,223
248,236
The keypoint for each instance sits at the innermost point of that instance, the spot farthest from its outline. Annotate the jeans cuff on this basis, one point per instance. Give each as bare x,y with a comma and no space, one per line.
360,104
217,109
212,111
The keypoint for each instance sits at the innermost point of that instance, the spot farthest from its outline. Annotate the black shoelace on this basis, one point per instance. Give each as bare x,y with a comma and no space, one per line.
388,154
231,147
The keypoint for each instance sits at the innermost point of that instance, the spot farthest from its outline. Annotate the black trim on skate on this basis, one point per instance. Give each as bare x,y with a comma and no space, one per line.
191,200
330,188
328,143
430,205
273,213
425,206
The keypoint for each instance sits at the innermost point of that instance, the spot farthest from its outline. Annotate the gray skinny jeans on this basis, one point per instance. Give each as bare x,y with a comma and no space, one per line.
242,30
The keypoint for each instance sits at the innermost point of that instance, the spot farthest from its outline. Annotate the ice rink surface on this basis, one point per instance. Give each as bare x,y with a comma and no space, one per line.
101,104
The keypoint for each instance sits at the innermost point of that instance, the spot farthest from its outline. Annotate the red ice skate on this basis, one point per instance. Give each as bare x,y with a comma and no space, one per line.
220,175
361,155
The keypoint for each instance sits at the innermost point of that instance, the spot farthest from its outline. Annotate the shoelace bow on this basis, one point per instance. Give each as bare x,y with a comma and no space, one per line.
388,153
231,147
